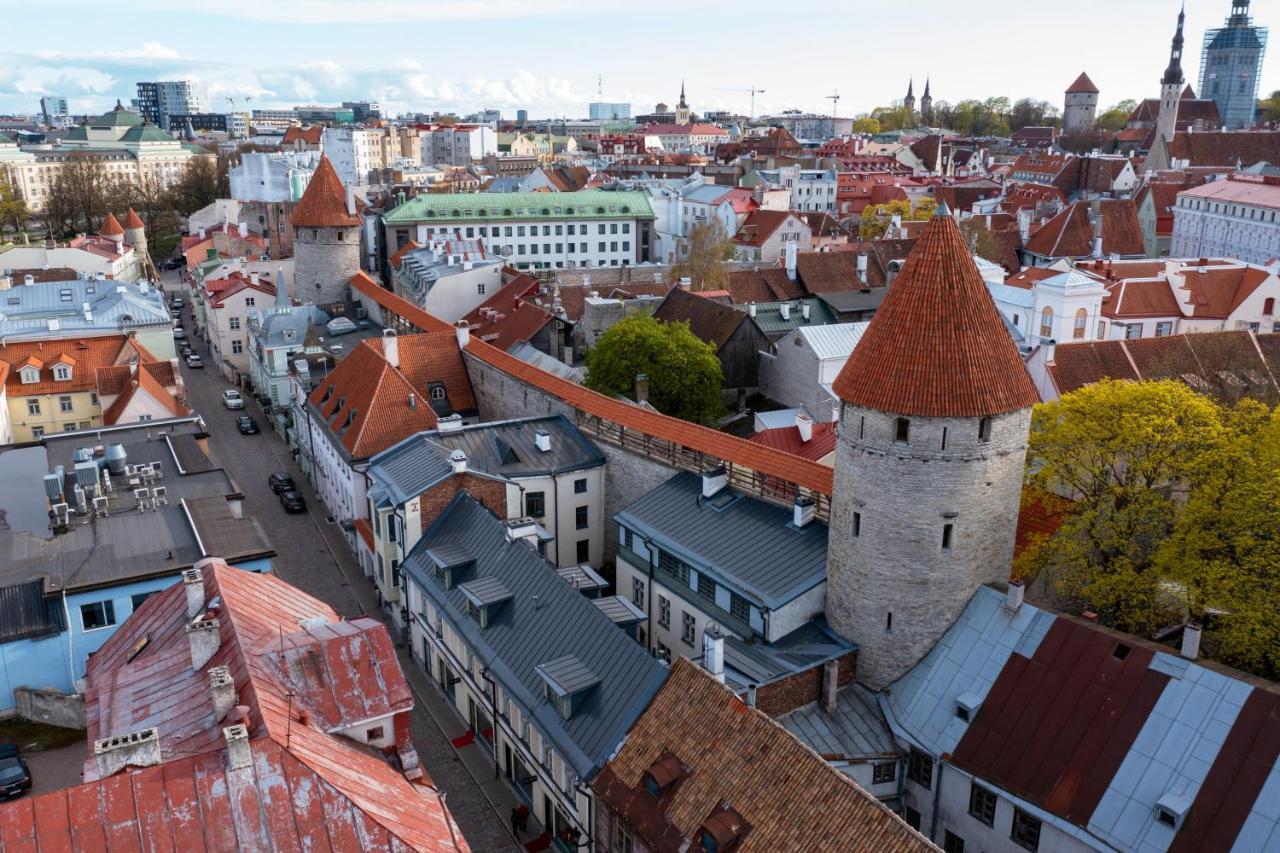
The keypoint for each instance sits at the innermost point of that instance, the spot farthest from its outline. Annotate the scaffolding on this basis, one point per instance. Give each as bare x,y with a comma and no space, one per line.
1231,68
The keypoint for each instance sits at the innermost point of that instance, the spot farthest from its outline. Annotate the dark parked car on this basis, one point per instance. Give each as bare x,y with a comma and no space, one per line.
246,425
280,482
15,776
293,501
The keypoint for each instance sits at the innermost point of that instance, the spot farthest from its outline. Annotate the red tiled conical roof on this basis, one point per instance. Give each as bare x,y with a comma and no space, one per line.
111,227
937,347
132,220
324,204
1082,85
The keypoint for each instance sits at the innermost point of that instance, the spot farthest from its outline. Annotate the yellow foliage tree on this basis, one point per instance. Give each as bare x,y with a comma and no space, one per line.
876,217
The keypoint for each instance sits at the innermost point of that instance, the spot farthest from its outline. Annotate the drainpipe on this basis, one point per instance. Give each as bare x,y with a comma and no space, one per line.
649,591
555,495
493,704
937,793
71,649
591,817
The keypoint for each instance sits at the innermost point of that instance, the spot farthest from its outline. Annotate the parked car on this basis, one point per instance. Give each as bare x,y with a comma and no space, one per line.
281,482
293,501
247,425
340,326
178,333
194,362
232,400
177,303
185,348
15,775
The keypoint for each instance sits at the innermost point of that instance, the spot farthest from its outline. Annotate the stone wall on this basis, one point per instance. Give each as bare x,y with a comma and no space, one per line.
50,707
324,263
803,688
895,587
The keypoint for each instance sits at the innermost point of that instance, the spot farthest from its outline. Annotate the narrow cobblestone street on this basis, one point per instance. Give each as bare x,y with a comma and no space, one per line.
312,554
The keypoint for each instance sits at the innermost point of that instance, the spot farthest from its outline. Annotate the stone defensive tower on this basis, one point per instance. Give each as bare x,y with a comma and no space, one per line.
1080,106
936,409
326,239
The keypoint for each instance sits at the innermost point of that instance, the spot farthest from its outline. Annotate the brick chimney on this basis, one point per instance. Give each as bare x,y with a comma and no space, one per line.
223,688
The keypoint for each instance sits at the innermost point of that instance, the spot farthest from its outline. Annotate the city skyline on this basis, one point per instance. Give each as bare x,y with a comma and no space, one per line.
320,58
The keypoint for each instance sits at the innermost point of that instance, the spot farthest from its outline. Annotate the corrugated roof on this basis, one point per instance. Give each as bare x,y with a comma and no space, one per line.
25,612
836,340
789,797
855,729
748,544
545,621
937,347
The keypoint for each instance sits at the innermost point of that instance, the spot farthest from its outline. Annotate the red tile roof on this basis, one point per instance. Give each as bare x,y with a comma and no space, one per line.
1140,298
788,440
1210,148
220,289
142,381
324,203
1253,190
111,227
1082,85
937,346
509,316
132,220
759,226
90,355
766,285
362,284
1070,234
309,135
304,786
395,259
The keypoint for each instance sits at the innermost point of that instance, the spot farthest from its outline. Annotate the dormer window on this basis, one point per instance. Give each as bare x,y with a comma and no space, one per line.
723,830
62,373
30,375
568,683
967,706
662,775
485,598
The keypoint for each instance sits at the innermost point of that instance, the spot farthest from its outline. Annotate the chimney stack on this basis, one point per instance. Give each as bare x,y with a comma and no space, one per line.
862,267
803,512
1191,640
452,423
785,310
203,635
239,756
351,201
193,584
713,651
714,480
135,749
391,347
830,685
791,249
642,388
1014,594
542,439
463,331
804,424
751,309
458,459
223,688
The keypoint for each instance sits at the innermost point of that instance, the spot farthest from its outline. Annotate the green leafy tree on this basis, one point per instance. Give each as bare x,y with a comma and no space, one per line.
1113,118
876,218
894,117
1028,112
704,264
866,124
684,374
13,210
1269,108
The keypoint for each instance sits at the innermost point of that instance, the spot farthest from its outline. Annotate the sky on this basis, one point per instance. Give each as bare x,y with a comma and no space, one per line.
548,56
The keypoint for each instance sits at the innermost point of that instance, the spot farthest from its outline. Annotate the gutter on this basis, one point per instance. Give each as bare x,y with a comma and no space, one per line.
195,531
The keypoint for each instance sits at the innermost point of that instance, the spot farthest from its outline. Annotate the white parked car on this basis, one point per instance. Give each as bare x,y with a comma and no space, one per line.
193,361
232,400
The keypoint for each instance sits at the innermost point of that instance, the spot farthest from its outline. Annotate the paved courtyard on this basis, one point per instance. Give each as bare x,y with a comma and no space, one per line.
312,554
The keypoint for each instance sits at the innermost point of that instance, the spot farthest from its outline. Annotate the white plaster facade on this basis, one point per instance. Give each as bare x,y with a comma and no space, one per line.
1213,221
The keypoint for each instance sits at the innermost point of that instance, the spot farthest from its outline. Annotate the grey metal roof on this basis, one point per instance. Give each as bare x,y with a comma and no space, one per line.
25,612
582,577
833,341
447,554
545,621
1020,296
854,300
747,544
567,675
619,610
507,448
807,647
708,193
526,351
409,468
484,591
25,311
289,326
855,729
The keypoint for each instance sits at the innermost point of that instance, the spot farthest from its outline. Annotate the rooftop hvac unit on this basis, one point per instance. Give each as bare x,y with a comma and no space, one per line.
52,488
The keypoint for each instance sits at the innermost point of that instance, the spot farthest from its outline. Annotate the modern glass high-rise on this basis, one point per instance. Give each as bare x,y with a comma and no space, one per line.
1231,65
159,100
602,111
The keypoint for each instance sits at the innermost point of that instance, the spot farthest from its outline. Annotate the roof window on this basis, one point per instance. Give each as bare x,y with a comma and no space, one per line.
485,597
1121,651
1171,809
568,682
662,775
723,830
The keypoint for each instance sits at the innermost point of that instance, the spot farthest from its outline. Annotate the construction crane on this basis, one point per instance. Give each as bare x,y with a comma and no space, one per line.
834,98
753,91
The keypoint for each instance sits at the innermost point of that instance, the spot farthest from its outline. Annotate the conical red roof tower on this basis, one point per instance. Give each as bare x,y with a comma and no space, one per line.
324,204
937,347
132,220
111,227
1083,85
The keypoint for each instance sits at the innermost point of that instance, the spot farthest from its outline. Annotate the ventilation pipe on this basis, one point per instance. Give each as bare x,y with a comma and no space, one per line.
713,651
391,347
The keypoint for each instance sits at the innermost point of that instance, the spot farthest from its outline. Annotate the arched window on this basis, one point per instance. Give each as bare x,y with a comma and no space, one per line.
1046,323
1269,306
1082,320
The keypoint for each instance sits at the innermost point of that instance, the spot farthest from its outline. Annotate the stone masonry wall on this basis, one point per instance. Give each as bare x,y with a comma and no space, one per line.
50,707
324,264
894,589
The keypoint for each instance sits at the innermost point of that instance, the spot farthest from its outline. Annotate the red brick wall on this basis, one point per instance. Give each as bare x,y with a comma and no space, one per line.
491,493
803,688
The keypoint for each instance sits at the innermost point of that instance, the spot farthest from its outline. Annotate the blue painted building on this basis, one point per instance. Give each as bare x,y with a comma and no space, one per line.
96,522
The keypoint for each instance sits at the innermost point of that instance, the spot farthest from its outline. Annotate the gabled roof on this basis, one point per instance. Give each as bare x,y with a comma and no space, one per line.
788,440
708,319
759,226
1070,234
510,316
937,346
763,285
142,381
324,203
1082,85
90,353
309,787
509,448
788,796
545,621
309,135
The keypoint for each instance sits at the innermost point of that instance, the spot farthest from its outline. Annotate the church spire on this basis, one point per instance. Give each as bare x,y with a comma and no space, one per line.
1173,74
926,87
682,101
911,88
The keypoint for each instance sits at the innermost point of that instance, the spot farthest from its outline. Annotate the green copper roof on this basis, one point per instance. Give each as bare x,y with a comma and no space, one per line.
5,139
469,207
119,117
79,133
145,133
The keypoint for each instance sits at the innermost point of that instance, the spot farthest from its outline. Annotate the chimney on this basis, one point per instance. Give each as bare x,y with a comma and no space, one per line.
804,311
204,639
391,347
714,480
28,279
239,756
223,688
193,583
351,201
413,401
542,439
751,695
862,267
452,423
791,248
458,460
685,282
803,512
254,278
463,331
135,749
804,424
830,685
1048,346
522,528
751,309
1191,640
785,310
642,388
1014,595
1096,210
713,651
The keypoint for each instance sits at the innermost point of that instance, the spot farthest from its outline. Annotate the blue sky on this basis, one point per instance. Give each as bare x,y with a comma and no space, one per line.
546,55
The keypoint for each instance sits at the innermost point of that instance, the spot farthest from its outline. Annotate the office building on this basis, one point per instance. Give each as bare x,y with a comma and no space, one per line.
157,101
604,111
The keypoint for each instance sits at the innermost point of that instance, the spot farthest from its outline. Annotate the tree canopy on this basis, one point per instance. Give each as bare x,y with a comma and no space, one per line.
1172,515
704,264
684,374
1113,118
876,217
